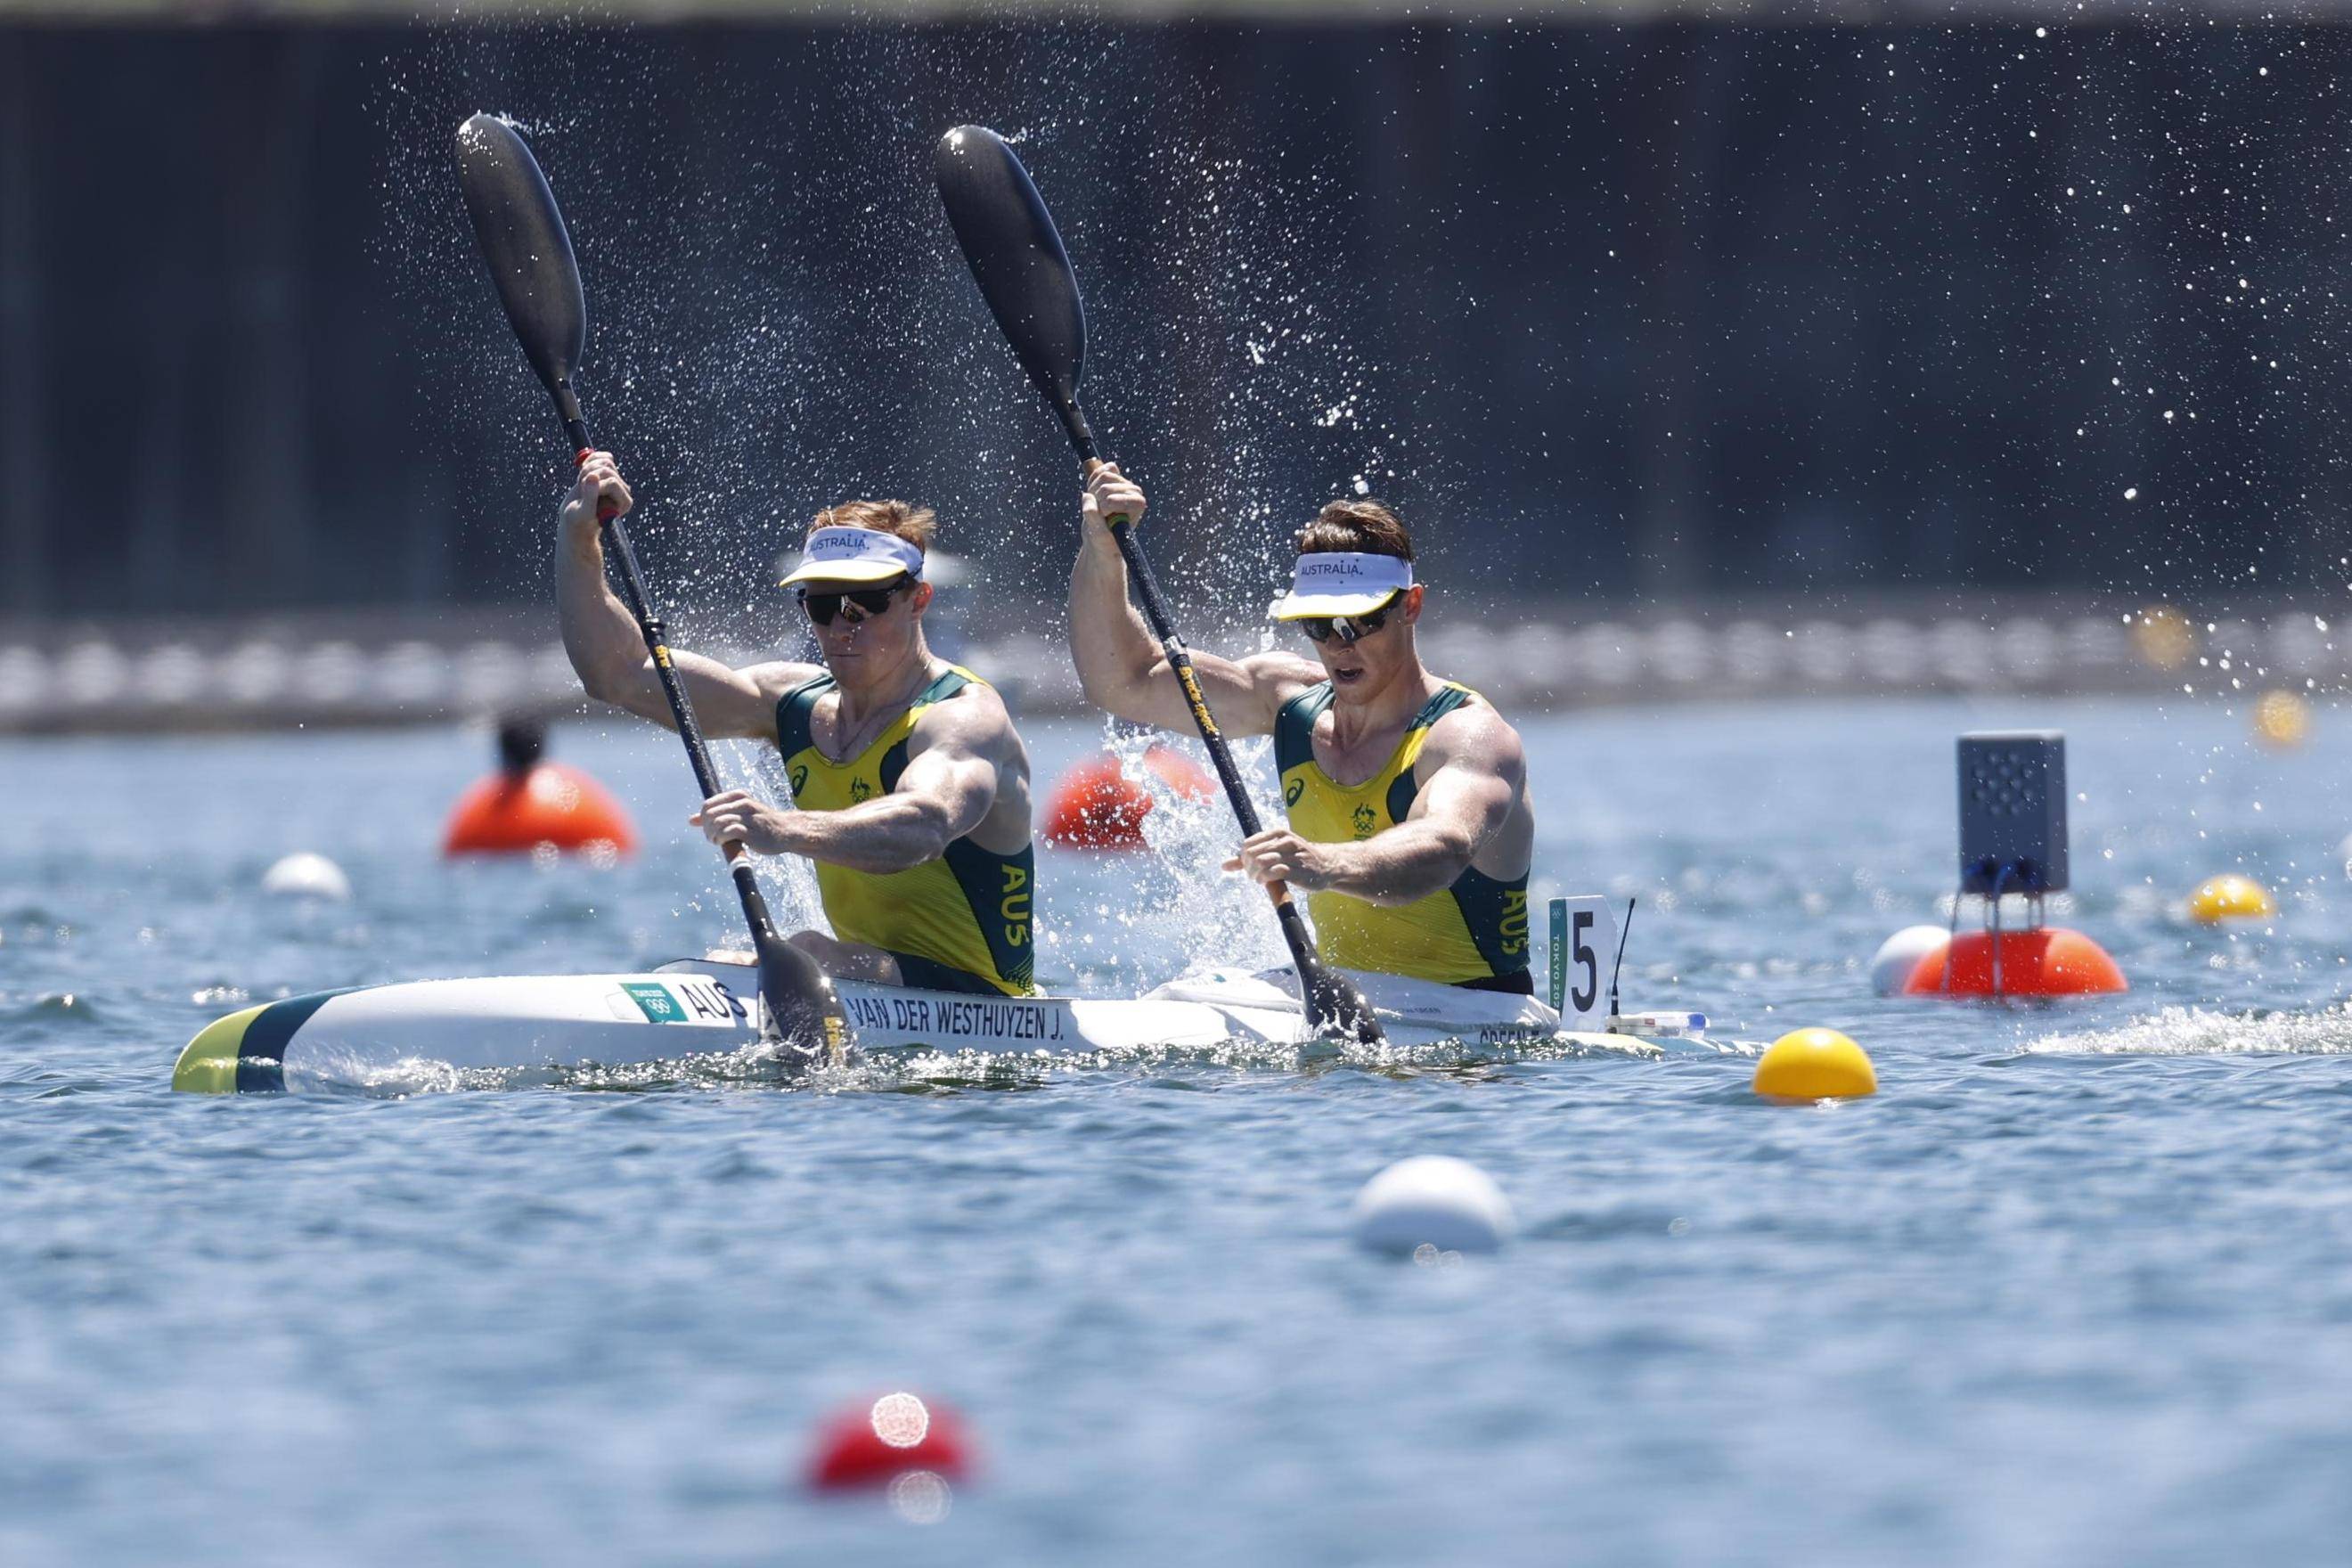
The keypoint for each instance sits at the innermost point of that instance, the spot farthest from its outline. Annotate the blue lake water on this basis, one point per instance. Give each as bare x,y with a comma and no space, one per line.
2072,1287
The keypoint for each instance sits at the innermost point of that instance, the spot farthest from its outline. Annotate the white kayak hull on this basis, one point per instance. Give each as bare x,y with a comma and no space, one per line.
384,1033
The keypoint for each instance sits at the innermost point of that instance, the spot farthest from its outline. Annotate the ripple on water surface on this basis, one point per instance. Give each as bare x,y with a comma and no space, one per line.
2071,1287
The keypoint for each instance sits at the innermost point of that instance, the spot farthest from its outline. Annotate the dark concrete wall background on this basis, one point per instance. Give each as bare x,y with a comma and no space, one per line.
1660,312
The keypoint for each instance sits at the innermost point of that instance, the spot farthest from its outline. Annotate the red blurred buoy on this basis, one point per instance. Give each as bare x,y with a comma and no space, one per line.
871,1445
1096,807
2050,961
528,803
552,803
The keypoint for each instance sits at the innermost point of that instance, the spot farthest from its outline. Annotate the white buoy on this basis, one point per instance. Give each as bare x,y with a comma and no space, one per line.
307,875
1899,955
1433,1200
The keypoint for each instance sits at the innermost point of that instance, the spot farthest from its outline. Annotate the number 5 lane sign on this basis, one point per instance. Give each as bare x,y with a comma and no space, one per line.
1583,938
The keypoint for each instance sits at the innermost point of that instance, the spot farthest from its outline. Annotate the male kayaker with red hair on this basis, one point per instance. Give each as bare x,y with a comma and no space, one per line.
911,784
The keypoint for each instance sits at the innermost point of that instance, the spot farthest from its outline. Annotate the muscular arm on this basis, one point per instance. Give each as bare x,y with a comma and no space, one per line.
608,651
1119,662
1474,769
949,785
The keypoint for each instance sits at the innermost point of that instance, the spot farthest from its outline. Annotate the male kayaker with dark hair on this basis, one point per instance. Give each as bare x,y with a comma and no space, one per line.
1410,829
911,784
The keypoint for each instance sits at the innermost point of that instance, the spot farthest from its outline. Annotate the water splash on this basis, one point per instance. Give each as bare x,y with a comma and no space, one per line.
923,1070
1184,912
2194,1032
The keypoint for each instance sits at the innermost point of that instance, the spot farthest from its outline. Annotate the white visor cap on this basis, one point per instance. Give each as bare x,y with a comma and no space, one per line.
1341,582
838,554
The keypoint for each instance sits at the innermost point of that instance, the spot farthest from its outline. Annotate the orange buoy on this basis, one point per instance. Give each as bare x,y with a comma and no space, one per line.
530,803
1095,805
2048,961
551,803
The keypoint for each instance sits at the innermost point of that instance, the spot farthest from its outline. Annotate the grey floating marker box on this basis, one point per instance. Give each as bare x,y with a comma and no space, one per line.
2013,812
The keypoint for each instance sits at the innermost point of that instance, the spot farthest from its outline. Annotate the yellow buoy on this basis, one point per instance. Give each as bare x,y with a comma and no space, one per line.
1816,1064
2282,720
2230,897
2163,636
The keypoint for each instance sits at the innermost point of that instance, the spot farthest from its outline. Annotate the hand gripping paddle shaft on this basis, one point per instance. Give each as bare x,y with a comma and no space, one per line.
1025,276
529,251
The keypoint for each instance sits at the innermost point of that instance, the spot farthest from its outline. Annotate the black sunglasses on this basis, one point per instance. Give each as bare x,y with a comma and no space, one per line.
823,607
1346,628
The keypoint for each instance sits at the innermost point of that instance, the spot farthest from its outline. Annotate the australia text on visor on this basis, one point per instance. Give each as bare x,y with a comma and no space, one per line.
1348,595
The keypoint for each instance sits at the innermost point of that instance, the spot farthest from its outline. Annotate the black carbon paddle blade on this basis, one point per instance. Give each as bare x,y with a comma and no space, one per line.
1337,1011
803,1010
1018,260
523,238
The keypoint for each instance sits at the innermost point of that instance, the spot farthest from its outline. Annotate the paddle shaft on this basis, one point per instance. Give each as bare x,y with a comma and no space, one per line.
681,708
1179,660
1024,271
528,250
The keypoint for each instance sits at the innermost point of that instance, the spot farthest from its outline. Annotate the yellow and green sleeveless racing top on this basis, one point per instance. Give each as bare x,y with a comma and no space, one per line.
1475,930
968,910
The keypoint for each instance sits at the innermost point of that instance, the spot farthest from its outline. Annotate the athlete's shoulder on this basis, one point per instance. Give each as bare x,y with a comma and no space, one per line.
1473,731
781,678
972,712
1279,676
